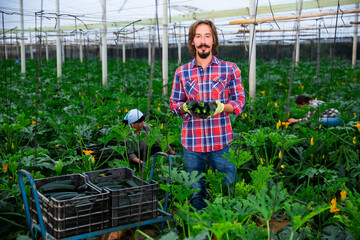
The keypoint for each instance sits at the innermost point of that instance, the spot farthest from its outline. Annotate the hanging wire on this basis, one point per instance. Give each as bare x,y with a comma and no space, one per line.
5,67
287,104
38,67
87,47
272,13
152,62
169,8
334,44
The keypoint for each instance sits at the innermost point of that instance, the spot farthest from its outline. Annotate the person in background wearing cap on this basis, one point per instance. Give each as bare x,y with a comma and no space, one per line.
135,119
208,79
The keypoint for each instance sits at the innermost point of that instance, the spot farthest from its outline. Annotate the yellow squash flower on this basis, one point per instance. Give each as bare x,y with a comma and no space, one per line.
333,208
278,124
358,126
93,160
263,92
262,161
343,195
5,167
280,155
286,124
88,152
312,141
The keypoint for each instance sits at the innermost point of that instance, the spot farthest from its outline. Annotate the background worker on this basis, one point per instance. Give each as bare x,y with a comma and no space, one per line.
206,78
329,117
138,154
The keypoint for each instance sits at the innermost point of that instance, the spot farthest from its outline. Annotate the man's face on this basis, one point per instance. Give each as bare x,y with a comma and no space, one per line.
138,126
203,41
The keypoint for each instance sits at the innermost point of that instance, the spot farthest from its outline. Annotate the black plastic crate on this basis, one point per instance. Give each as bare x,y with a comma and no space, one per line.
66,218
128,205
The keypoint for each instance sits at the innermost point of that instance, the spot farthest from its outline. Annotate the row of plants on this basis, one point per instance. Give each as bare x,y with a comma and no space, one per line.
303,174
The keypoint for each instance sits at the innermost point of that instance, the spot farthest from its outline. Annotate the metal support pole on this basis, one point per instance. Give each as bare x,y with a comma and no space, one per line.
6,52
179,47
58,42
22,41
353,62
46,49
318,56
123,51
63,51
31,48
149,46
297,52
165,49
81,48
104,44
252,52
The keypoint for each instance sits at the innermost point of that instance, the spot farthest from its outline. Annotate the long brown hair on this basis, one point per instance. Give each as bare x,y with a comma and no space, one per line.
192,35
301,99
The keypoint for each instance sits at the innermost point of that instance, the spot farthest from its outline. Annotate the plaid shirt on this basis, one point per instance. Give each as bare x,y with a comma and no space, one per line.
220,81
328,113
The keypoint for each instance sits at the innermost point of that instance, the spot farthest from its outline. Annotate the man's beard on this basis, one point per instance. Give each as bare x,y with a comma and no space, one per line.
203,55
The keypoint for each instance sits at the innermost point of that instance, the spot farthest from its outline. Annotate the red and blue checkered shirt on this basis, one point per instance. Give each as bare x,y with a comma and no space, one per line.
220,81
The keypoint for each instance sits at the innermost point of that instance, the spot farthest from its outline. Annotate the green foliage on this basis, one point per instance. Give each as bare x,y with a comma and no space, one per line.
242,189
300,214
48,139
213,179
350,213
261,176
181,183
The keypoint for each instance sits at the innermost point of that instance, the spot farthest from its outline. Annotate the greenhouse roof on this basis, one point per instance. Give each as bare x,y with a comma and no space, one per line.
86,16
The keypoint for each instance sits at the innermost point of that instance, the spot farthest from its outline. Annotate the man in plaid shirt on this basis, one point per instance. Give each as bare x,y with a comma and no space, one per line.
208,79
329,117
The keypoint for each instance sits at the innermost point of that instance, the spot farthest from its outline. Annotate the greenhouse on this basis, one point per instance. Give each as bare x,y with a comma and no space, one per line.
180,119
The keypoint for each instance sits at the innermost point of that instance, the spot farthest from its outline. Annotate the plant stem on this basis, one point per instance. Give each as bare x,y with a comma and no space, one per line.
142,233
12,222
292,235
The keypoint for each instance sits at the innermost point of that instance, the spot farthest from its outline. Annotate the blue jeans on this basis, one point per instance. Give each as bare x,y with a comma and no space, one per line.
331,122
196,161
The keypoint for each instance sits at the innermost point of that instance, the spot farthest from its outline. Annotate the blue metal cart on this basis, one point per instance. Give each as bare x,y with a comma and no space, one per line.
162,214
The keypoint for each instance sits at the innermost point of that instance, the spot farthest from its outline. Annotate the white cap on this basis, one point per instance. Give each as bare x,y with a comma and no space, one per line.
133,115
